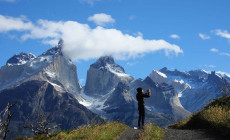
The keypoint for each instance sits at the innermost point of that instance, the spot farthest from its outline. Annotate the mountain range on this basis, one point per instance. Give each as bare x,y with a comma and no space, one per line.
48,84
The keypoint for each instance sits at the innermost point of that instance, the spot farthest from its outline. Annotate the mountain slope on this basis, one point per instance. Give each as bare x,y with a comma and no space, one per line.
109,92
40,97
163,98
51,66
196,88
45,84
103,76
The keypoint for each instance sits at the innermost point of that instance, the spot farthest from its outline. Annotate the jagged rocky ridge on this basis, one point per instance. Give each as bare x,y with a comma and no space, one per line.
195,88
19,59
46,84
111,92
37,97
51,66
103,76
163,98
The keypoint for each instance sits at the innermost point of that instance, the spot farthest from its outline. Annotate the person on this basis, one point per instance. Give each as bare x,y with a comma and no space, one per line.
141,105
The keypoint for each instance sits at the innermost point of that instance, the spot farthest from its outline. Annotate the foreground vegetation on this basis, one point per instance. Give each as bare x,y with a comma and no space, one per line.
151,132
107,131
215,116
100,131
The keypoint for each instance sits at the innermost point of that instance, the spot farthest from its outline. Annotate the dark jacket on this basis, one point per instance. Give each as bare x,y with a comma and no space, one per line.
141,98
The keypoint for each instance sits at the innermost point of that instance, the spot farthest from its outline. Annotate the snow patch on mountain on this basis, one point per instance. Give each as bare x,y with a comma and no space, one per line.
208,72
95,104
224,74
181,81
20,59
158,77
196,88
116,71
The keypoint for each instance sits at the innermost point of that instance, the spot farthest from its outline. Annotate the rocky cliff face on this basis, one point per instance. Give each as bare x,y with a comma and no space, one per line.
40,97
163,98
47,84
195,88
51,66
20,59
121,106
103,76
112,94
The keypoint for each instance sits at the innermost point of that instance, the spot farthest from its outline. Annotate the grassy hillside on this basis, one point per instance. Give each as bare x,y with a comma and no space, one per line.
107,131
100,131
215,116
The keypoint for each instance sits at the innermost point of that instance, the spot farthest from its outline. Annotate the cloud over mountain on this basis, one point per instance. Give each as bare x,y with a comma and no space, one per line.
83,42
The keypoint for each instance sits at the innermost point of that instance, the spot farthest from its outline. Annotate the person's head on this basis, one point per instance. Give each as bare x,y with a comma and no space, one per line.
140,90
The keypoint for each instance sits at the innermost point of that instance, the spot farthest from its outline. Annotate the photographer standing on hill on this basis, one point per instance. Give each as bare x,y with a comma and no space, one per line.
141,104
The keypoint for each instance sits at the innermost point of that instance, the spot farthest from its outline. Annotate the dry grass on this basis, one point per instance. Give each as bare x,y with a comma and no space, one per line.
106,131
215,116
151,132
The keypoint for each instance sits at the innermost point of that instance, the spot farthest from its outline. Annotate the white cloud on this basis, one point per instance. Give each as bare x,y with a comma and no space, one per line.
51,42
210,66
138,34
214,50
225,54
101,19
11,23
220,53
222,33
83,42
204,36
175,36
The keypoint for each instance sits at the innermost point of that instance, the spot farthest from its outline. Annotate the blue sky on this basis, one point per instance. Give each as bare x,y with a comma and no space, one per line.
178,34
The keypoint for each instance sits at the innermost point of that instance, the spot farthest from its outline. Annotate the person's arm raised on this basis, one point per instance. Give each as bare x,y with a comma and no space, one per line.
148,93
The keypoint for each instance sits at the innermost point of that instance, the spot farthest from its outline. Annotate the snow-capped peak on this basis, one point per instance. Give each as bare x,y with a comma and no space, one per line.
103,61
223,74
158,77
20,59
207,72
55,50
116,70
160,73
106,63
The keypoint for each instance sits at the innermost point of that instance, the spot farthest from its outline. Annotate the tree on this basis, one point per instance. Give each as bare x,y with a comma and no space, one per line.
41,126
5,117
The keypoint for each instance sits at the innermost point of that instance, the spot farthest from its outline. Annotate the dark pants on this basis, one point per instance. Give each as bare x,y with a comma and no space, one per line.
141,110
